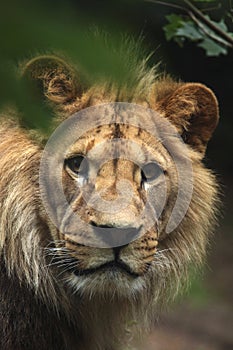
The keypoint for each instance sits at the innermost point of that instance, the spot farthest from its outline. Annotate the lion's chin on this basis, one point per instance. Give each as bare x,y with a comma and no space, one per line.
106,280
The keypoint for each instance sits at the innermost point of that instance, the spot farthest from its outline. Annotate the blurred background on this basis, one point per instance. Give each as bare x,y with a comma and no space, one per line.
203,319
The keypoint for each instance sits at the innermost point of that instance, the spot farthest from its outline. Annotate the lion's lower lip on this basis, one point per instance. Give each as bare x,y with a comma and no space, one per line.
112,265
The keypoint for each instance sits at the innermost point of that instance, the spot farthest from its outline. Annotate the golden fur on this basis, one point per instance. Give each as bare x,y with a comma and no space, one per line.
94,311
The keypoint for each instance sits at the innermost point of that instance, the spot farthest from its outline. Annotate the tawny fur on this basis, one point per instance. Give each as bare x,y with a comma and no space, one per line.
42,309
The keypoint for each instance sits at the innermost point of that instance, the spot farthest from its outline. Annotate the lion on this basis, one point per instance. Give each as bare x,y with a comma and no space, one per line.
60,291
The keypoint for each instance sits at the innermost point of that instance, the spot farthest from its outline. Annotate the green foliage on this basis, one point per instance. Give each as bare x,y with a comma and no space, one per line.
212,48
191,23
179,29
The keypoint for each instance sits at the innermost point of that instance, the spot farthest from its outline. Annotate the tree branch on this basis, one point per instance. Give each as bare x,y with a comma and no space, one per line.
211,35
223,38
209,23
169,4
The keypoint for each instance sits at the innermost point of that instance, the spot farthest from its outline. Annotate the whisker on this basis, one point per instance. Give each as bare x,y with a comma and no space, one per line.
60,261
68,268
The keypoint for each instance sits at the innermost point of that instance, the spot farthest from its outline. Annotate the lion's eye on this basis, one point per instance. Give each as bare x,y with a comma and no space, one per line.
151,172
77,164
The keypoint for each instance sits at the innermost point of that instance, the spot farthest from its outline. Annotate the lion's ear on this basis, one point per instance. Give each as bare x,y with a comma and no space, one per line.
55,78
193,109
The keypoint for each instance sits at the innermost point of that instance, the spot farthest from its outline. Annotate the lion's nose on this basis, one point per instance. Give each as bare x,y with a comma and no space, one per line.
115,237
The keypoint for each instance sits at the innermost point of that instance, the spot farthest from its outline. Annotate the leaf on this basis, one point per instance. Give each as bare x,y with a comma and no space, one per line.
212,48
175,22
222,25
220,41
190,31
179,29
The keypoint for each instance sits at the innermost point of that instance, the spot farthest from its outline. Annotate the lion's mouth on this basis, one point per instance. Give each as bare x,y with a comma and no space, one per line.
111,266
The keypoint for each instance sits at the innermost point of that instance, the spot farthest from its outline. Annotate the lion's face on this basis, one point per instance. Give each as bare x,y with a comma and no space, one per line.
126,185
124,202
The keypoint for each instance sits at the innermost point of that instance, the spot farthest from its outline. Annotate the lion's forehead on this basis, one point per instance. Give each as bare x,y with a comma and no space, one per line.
120,141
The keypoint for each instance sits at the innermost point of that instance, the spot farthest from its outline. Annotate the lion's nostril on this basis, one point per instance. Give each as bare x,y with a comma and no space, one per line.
92,223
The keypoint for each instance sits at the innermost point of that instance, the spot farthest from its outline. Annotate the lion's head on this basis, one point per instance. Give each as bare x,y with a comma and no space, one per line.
117,167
